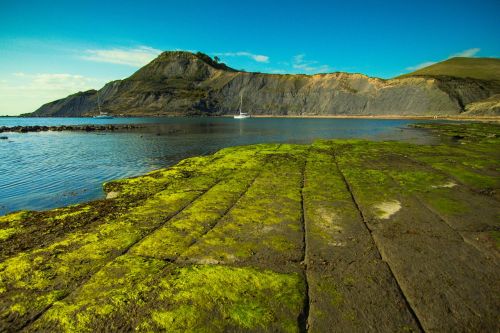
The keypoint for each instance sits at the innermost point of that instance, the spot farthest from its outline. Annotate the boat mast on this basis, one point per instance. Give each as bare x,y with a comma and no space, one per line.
241,102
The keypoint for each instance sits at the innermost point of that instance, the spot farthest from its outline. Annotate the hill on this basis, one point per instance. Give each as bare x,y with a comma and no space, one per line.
184,83
475,68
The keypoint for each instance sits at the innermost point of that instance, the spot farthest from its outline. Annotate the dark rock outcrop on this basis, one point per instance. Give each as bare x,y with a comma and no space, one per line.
86,128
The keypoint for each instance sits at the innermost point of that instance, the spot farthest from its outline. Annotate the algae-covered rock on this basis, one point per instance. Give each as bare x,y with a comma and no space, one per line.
346,235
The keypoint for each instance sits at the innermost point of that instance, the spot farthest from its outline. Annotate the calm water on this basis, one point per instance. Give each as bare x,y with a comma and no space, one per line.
51,169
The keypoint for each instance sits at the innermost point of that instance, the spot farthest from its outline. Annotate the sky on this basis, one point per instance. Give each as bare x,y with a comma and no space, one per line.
49,49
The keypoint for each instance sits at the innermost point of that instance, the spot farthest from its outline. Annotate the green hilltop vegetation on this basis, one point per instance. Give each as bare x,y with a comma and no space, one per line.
475,68
346,234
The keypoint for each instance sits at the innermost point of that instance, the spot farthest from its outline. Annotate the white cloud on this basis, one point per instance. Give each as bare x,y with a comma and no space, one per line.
469,53
23,92
309,66
255,57
299,64
136,57
466,53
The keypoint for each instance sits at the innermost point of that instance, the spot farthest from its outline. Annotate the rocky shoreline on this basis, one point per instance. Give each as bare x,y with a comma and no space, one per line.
352,234
85,128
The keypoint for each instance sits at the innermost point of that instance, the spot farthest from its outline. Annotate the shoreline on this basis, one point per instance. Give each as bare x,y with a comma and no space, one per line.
382,117
326,116
134,126
214,231
319,116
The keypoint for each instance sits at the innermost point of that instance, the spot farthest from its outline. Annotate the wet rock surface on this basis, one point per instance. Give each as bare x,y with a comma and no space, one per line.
340,235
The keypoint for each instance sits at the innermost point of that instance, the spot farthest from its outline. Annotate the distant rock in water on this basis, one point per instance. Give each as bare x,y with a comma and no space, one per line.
183,83
86,128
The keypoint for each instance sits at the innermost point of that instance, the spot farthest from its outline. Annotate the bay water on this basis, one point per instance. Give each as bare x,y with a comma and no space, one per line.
44,170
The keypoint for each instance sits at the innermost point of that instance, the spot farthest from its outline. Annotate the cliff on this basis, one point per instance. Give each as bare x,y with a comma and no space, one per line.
183,83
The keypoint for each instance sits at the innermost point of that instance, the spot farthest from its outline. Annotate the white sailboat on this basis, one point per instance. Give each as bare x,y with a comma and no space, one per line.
241,115
101,115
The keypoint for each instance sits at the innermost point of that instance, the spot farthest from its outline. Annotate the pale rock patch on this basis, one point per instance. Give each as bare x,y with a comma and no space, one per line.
266,229
449,184
327,219
207,261
112,195
387,209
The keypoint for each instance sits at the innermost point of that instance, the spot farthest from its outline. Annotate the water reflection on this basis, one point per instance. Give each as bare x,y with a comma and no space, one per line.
50,169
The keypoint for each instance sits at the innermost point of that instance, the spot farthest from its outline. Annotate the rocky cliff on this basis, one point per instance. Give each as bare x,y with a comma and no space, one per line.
183,83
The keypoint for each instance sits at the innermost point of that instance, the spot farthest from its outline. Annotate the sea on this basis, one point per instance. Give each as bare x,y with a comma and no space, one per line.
44,170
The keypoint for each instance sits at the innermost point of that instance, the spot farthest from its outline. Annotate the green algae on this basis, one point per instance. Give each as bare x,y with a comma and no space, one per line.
271,205
327,201
55,269
418,180
54,224
449,205
171,240
194,173
371,186
475,132
62,214
115,289
11,224
61,265
242,206
14,217
427,181
496,236
465,175
213,298
328,288
6,233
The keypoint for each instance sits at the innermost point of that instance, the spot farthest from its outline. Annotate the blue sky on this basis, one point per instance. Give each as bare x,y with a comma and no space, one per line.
49,49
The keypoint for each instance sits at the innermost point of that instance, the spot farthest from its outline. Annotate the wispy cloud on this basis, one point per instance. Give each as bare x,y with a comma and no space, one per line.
299,64
136,57
53,81
23,92
466,53
309,66
469,53
255,57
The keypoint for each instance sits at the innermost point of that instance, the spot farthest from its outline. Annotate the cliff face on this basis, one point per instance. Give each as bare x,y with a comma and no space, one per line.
75,105
185,83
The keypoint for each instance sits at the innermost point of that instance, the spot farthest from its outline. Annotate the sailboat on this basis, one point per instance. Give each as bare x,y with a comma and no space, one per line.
101,115
241,115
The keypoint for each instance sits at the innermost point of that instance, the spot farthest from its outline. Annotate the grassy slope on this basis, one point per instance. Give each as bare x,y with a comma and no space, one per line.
476,68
